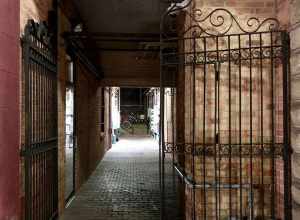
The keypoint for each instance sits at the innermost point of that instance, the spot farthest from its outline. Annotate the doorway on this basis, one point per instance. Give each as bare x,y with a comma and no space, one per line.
70,133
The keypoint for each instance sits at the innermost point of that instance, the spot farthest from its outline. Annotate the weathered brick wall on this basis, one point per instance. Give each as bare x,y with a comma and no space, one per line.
91,145
242,10
288,13
61,96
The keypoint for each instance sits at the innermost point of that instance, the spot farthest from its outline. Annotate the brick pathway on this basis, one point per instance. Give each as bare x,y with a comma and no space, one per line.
125,186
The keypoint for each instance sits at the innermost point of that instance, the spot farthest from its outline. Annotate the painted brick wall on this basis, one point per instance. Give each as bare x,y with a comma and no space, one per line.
9,110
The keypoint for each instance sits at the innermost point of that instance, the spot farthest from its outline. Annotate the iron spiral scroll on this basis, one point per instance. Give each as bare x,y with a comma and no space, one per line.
219,22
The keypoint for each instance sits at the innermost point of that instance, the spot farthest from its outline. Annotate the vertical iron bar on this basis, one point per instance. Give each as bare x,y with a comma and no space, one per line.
286,125
219,133
29,138
204,127
240,128
229,126
173,126
193,122
34,136
43,102
74,123
273,135
46,105
215,129
251,132
262,127
37,119
161,129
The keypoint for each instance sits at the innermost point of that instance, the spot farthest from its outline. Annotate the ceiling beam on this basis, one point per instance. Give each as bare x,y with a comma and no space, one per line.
118,37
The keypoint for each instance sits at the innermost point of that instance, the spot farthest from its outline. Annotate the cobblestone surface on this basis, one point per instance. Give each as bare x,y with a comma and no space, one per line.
125,186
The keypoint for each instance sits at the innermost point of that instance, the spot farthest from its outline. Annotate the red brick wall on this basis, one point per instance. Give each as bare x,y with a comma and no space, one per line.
9,109
91,145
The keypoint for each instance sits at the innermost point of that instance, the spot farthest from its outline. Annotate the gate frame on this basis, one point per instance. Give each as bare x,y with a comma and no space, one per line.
36,35
285,59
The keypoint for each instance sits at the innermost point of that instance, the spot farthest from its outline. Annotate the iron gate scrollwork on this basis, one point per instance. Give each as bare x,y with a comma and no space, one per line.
233,152
40,110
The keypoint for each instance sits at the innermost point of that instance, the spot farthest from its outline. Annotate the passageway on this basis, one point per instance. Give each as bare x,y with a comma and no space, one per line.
149,110
124,186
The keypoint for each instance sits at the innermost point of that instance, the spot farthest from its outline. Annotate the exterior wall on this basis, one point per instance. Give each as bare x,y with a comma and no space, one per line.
91,144
61,95
9,110
291,16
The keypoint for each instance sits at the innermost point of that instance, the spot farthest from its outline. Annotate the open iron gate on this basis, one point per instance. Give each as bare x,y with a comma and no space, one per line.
40,140
232,148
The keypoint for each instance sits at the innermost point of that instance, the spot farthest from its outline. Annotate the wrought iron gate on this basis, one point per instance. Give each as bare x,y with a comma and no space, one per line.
228,130
40,111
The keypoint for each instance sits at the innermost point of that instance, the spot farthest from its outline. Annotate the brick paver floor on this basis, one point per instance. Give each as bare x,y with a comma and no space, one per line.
125,186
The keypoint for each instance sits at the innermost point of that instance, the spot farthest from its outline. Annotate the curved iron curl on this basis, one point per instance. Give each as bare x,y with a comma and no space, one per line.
218,20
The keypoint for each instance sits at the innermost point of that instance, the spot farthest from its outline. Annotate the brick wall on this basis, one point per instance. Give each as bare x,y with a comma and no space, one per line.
61,96
91,144
289,14
9,109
